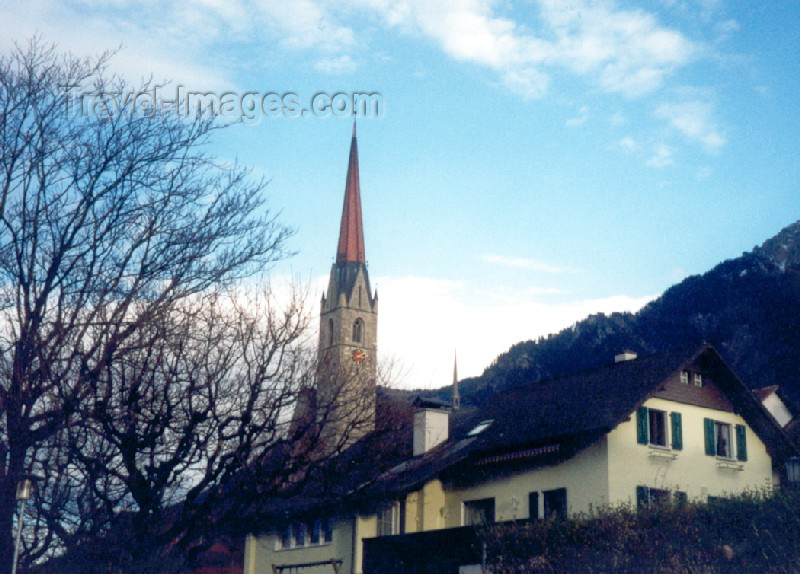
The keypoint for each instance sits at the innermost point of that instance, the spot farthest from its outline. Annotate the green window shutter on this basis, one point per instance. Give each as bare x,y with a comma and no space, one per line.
741,442
641,497
711,447
677,431
642,426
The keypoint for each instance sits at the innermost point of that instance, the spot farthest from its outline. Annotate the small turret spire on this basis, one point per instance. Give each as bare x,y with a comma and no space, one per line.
456,394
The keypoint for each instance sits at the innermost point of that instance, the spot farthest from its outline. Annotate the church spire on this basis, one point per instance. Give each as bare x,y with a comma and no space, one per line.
456,394
351,231
348,328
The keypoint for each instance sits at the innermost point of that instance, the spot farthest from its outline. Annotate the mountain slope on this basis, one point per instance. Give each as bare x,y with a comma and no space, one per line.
748,308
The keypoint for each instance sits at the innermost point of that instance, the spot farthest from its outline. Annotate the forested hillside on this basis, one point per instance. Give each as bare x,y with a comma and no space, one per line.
748,308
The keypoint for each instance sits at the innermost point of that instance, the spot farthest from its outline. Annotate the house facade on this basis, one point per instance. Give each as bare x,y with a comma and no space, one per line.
664,428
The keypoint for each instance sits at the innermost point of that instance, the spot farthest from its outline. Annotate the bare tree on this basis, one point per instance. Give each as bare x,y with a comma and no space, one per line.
171,446
114,228
191,430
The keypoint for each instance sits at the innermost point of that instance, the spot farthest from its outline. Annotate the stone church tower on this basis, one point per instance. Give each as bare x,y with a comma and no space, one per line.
348,328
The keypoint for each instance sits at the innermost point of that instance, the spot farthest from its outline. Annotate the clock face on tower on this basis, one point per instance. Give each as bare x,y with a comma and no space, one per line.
359,356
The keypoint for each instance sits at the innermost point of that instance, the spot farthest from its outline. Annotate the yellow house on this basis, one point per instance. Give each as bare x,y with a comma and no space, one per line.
671,427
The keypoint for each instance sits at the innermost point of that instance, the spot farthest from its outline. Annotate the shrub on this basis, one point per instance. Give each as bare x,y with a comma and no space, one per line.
750,532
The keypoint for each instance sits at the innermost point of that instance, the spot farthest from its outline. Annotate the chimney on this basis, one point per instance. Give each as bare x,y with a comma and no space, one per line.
430,429
626,355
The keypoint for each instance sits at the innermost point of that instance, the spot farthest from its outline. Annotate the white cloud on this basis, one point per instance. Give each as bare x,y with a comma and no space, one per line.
151,44
617,119
423,321
306,25
522,263
580,119
185,43
726,29
626,51
704,172
628,144
694,120
339,65
662,156
623,51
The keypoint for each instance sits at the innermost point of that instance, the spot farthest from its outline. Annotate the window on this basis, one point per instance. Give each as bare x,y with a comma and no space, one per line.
286,537
658,427
555,503
722,434
299,529
388,520
533,505
651,428
698,380
647,497
300,534
358,328
316,532
478,511
330,332
719,440
685,377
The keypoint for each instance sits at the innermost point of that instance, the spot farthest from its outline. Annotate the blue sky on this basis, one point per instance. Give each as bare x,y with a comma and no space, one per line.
535,161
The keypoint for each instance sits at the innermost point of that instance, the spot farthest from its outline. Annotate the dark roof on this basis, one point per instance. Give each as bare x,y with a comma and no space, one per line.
431,403
589,401
793,430
544,422
541,423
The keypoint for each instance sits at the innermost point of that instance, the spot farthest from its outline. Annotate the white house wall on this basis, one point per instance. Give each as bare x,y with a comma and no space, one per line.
261,552
692,471
585,476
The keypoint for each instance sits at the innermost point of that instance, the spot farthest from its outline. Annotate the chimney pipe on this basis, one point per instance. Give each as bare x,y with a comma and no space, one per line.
625,355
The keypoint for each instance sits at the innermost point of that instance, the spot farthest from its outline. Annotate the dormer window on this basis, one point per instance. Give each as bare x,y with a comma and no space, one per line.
482,426
358,330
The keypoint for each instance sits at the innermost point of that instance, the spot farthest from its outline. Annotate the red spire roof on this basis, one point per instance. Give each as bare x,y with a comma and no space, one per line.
351,232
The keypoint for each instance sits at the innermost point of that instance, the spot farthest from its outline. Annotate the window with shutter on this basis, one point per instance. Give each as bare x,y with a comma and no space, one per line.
723,440
741,442
677,431
642,435
709,427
